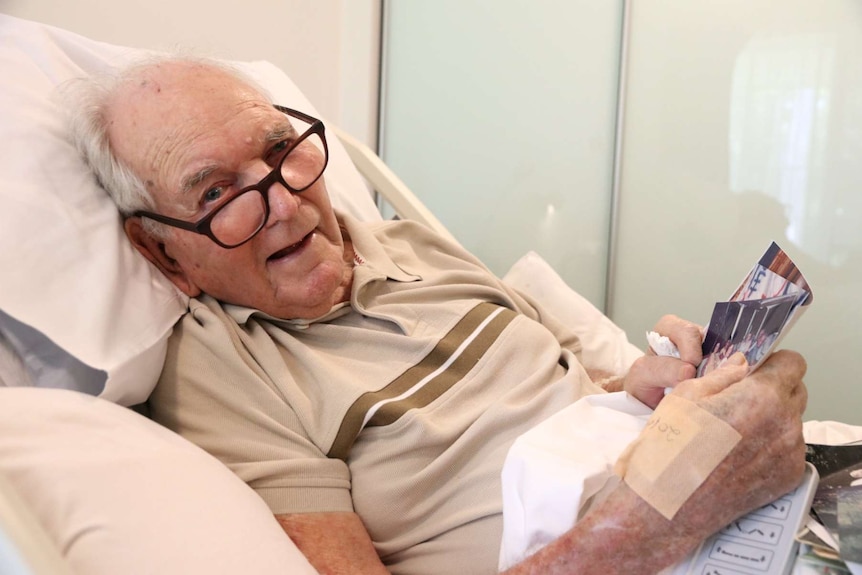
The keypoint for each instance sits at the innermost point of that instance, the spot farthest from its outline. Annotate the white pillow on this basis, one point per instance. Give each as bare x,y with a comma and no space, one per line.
67,269
117,493
25,546
605,345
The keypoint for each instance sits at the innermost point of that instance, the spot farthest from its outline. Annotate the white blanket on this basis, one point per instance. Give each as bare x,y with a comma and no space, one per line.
554,471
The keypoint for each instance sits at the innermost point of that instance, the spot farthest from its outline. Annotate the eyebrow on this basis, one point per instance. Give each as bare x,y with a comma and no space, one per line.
278,134
193,180
190,182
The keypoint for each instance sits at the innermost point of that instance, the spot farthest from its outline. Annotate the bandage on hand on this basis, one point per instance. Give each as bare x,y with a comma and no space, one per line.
677,450
765,409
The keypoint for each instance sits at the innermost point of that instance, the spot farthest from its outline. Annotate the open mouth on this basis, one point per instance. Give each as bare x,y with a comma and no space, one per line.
289,249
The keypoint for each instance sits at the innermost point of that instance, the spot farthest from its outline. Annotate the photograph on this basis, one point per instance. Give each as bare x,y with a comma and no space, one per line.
775,274
751,327
838,506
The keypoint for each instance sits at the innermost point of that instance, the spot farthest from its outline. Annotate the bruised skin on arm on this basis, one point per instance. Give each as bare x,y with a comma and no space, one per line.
623,534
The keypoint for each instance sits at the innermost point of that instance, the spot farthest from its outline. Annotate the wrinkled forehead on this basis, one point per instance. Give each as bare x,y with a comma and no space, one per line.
160,113
161,95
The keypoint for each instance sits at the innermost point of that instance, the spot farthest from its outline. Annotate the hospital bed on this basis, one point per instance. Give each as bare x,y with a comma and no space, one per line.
87,483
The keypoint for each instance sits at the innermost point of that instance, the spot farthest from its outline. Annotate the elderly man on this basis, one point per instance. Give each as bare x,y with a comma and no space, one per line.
368,380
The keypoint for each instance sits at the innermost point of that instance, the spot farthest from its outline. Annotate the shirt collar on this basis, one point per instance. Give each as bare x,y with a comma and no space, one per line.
370,252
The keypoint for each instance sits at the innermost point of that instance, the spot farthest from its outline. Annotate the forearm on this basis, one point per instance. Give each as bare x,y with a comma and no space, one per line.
334,543
623,534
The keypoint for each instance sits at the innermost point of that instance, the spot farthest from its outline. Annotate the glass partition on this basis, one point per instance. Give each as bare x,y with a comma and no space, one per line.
744,125
500,116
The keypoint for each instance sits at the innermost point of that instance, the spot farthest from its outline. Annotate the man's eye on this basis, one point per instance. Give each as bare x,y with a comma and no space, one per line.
213,194
278,149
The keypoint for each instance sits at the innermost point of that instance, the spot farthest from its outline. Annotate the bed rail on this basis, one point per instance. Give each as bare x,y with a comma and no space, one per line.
387,184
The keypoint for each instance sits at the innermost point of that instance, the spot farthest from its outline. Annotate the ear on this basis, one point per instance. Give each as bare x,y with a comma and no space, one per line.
154,250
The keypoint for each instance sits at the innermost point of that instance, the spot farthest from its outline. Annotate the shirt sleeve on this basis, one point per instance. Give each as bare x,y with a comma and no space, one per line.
214,392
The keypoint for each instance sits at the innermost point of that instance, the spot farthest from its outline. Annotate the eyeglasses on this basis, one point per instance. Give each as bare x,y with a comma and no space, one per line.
243,215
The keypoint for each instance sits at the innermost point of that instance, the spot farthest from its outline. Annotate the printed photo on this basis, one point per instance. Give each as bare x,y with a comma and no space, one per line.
751,327
768,301
774,275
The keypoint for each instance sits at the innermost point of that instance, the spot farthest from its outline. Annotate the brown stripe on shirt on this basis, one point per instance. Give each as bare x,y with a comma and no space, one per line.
446,350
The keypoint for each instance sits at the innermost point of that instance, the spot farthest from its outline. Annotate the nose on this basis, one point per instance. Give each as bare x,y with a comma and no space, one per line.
283,204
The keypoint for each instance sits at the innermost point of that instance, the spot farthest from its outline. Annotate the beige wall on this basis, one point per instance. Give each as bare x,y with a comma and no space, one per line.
328,47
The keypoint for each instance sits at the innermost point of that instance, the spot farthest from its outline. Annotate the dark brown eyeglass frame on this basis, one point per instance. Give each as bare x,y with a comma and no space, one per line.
203,226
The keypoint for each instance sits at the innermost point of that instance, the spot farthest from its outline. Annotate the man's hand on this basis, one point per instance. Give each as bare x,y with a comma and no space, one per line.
623,534
651,374
766,409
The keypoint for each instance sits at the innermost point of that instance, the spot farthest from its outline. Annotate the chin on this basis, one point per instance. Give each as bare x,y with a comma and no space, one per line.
320,290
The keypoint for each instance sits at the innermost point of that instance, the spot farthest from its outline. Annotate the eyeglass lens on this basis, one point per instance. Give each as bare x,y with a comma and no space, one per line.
245,215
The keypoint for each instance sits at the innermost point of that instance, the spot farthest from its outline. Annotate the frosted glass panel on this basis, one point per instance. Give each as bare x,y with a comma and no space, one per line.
500,116
744,125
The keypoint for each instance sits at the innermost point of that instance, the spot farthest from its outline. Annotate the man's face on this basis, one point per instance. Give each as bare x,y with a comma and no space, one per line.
190,132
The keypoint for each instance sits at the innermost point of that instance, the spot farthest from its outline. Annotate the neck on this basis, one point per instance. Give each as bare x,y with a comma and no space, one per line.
342,294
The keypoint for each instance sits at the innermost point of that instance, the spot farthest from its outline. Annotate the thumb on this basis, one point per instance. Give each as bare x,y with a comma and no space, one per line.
734,369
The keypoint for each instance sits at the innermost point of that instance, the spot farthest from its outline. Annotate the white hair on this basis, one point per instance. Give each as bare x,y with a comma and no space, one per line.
87,101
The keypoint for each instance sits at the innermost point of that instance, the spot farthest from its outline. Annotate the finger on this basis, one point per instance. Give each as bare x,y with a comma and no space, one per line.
789,363
660,371
733,370
784,371
649,376
687,336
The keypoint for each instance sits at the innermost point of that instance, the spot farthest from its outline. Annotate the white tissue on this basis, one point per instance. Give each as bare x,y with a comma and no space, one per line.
661,344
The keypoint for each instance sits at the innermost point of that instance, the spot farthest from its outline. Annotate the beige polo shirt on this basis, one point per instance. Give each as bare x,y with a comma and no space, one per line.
400,406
